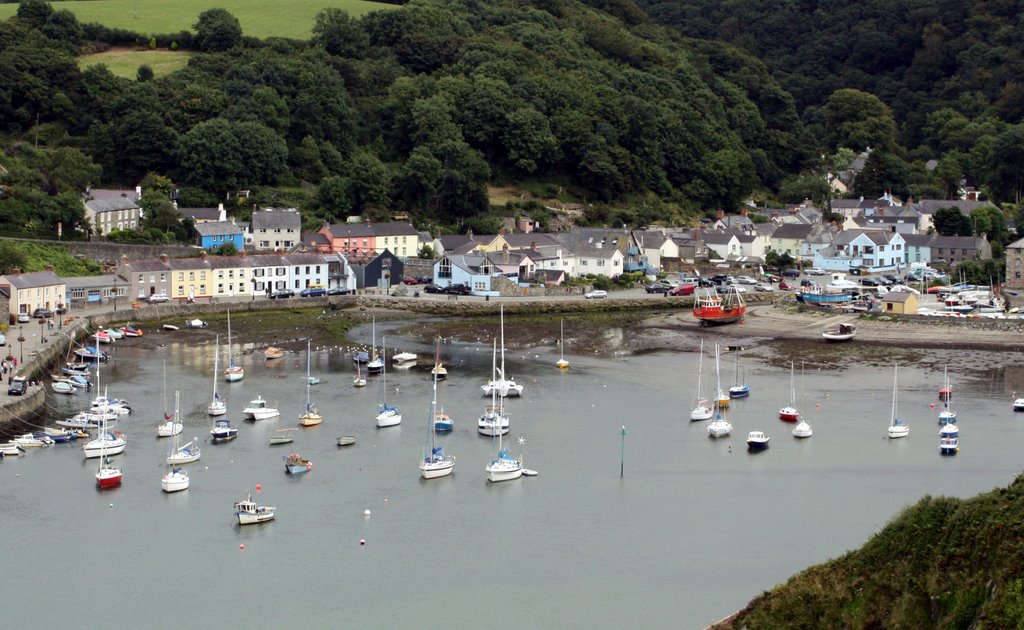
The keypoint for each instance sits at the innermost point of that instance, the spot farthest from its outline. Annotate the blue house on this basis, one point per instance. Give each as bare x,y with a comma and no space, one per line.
473,270
214,234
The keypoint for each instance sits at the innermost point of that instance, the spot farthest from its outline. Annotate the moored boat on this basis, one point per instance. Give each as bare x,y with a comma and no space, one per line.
346,440
949,439
273,353
62,386
757,441
223,431
185,454
789,413
92,353
403,358
295,464
282,436
1018,404
311,416
898,428
107,443
248,512
131,331
443,422
258,410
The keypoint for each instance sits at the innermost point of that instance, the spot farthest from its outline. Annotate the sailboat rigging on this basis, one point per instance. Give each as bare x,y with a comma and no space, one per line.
311,416
435,463
217,407
387,415
701,408
176,478
233,372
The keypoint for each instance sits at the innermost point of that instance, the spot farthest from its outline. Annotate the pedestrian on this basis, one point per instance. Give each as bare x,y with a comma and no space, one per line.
10,379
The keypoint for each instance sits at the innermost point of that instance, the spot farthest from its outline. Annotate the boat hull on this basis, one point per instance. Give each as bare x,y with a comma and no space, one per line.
836,338
823,298
757,445
183,458
254,519
388,418
92,449
174,482
261,414
789,414
719,429
217,408
310,419
435,469
346,440
108,478
739,391
701,413
898,432
233,375
169,429
503,472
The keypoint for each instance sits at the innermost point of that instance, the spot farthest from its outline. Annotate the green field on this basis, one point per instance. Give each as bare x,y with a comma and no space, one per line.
125,63
259,18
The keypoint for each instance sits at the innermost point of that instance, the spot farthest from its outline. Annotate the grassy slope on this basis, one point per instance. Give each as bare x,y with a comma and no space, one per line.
38,256
259,18
125,63
944,563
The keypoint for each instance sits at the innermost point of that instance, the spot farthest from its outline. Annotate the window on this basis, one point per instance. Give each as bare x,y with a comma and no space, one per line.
220,274
280,271
181,291
231,273
181,276
220,288
583,263
264,244
600,263
77,294
163,277
142,278
191,276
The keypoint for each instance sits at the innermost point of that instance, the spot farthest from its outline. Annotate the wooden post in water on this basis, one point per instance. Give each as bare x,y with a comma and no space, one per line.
622,452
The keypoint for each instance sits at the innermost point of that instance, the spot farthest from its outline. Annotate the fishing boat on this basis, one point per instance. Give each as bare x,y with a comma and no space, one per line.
359,380
435,463
107,476
272,353
170,426
223,431
712,309
842,332
248,512
561,364
740,389
387,415
949,439
757,441
443,422
346,440
30,440
375,363
131,331
898,428
311,416
185,454
175,479
232,373
282,436
947,415
505,386
494,421
294,464
701,406
258,410
816,294
789,413
217,406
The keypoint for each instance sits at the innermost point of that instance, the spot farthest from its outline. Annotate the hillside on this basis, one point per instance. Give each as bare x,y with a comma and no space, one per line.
943,563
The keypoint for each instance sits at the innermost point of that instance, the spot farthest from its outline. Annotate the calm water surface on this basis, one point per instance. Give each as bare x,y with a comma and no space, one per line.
693,530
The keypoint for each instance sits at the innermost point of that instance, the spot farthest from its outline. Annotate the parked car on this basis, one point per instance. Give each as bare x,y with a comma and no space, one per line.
657,287
806,283
763,286
720,278
42,313
705,282
23,318
157,298
282,293
771,277
683,289
3,340
817,271
60,310
18,386
338,291
596,294
433,288
858,271
410,280
791,273
457,289
313,291
733,288
785,286
890,279
745,280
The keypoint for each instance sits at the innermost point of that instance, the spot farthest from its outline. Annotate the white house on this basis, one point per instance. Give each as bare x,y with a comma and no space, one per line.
873,249
276,228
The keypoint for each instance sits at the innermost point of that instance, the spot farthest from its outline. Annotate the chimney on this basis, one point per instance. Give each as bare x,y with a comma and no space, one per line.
533,245
881,211
221,214
744,212
16,271
720,214
164,258
49,268
504,254
696,234
138,193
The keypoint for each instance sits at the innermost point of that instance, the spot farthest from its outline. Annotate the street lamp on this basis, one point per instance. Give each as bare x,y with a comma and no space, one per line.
253,280
21,345
42,328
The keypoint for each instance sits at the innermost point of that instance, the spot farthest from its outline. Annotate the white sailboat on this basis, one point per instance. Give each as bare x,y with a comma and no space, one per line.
232,372
311,416
217,406
176,479
170,426
947,415
505,386
701,407
387,415
185,454
803,429
376,362
107,476
503,467
106,443
721,396
898,428
562,364
493,421
789,412
359,380
719,427
435,463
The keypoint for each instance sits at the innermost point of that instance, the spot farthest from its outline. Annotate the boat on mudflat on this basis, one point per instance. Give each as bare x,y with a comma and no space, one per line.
92,353
819,295
843,332
712,309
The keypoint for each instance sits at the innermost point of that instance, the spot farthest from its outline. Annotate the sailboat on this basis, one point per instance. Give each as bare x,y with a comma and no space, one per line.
311,416
949,439
217,407
803,429
562,364
505,386
719,427
789,413
493,421
359,380
721,397
701,408
107,476
233,372
435,463
387,416
947,415
504,467
739,389
898,428
176,479
171,426
106,443
376,362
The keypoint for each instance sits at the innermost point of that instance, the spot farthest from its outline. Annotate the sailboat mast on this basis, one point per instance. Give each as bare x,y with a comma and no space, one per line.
895,372
561,339
308,342
433,405
718,376
216,367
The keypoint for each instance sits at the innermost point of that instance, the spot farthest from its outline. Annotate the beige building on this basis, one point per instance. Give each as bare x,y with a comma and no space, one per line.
899,303
28,291
109,210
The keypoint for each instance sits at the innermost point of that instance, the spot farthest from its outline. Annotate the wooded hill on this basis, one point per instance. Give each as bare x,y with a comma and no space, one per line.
943,563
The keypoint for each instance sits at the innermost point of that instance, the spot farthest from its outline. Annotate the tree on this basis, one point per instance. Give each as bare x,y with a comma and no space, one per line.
145,73
725,177
217,30
858,120
220,155
369,182
948,174
528,139
990,221
339,34
11,257
35,12
814,186
160,214
426,252
883,171
1006,165
951,222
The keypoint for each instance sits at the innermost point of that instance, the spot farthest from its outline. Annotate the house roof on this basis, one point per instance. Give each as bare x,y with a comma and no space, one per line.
200,214
276,219
315,238
519,240
368,229
112,204
931,206
32,279
917,240
897,296
594,242
957,242
218,228
717,237
793,230
878,237
1018,244
650,239
91,282
111,193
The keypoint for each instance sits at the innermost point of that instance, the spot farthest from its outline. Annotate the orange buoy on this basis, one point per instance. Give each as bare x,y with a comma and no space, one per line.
258,487
242,547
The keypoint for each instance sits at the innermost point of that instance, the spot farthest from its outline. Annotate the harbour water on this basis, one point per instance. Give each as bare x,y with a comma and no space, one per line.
690,533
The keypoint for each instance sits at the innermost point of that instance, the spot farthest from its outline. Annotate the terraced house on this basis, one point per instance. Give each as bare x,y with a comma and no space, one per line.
369,239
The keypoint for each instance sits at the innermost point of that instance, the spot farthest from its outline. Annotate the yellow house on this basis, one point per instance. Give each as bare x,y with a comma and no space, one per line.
28,291
788,237
190,278
899,303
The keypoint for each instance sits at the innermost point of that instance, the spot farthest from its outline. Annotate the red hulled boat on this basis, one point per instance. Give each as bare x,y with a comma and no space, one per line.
713,309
